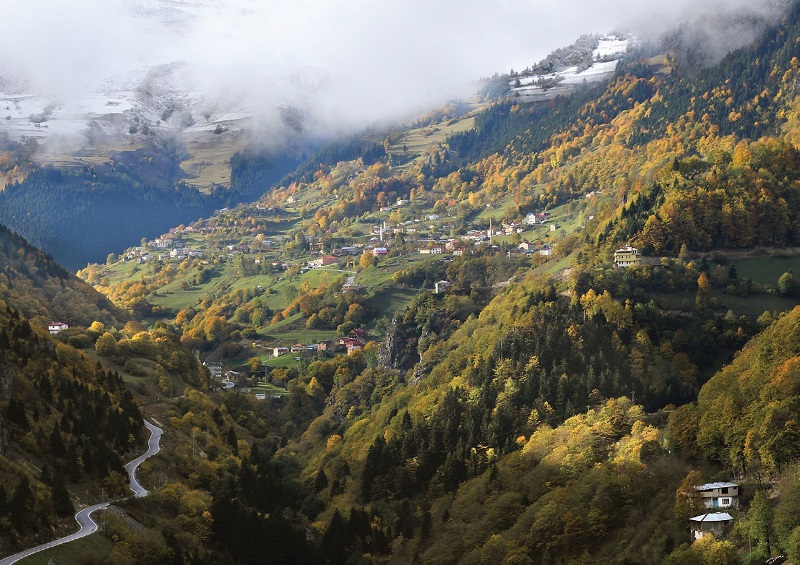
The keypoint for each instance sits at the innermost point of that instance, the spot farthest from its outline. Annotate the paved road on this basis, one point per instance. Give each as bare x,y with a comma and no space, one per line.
84,517
88,526
153,447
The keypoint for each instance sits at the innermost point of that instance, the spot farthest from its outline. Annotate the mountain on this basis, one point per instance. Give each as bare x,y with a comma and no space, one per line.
509,393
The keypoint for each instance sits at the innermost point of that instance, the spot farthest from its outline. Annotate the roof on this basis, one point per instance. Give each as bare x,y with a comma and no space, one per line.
712,486
712,517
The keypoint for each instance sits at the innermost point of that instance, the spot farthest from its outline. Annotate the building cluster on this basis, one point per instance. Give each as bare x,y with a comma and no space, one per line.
353,341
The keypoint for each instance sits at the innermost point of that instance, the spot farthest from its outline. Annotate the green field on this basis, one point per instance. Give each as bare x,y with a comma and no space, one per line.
757,304
417,140
173,297
392,301
767,269
269,390
751,305
91,549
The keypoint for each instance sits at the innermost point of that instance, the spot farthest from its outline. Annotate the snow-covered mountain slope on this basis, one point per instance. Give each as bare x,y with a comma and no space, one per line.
596,66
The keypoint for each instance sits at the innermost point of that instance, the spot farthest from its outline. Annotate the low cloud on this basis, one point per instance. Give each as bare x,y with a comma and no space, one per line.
346,63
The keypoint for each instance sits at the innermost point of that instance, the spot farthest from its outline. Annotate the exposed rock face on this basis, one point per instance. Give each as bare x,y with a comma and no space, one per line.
397,352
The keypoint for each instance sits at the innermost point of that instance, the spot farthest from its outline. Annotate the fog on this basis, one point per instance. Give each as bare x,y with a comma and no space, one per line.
345,63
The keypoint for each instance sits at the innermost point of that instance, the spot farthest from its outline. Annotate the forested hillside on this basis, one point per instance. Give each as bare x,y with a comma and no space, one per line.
65,423
429,355
44,291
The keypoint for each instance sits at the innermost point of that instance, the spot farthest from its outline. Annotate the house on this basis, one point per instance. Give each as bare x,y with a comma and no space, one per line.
326,345
711,524
324,261
351,287
546,251
215,369
534,218
719,495
441,287
627,257
358,334
56,328
527,246
432,217
380,251
278,351
297,348
350,344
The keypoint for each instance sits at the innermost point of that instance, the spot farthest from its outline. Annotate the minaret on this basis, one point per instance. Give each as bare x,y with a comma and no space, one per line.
490,230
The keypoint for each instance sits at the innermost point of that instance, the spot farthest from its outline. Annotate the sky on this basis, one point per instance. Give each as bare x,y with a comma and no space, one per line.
348,63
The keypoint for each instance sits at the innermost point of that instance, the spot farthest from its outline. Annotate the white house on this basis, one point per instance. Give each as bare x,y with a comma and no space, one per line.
711,524
56,328
278,351
719,495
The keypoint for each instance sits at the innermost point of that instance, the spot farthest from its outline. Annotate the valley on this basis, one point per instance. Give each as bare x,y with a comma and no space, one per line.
522,328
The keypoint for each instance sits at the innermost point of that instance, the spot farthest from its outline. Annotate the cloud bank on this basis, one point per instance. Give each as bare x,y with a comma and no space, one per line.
347,63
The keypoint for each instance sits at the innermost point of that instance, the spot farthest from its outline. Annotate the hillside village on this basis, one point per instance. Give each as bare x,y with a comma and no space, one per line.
429,235
270,249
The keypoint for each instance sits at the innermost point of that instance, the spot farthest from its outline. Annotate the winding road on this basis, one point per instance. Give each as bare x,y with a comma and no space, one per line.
84,517
153,447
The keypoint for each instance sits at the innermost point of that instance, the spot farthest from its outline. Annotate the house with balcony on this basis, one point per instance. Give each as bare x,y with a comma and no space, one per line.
719,495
